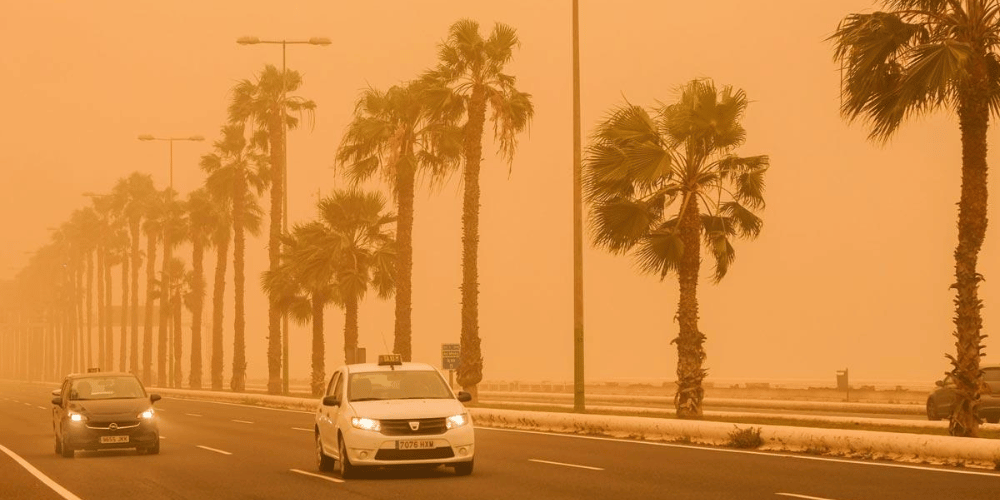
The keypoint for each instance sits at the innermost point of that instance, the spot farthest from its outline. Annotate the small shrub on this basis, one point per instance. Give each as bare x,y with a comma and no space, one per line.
748,438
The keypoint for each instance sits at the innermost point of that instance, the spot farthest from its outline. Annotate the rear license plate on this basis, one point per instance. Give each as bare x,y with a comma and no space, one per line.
415,445
113,439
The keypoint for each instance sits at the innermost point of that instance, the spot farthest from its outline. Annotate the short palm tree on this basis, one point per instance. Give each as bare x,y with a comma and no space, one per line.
917,57
305,294
237,176
203,215
151,225
392,135
173,230
266,106
661,185
471,76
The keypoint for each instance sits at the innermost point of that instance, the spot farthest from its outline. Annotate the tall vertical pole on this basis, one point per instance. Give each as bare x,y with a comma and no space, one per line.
171,141
578,379
284,221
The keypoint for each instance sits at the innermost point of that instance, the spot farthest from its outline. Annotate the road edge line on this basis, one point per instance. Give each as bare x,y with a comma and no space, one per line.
46,480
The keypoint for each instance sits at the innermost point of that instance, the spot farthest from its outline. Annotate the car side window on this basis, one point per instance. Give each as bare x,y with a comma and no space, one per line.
65,392
331,389
338,387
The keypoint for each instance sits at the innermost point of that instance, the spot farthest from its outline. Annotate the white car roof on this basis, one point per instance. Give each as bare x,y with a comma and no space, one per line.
375,367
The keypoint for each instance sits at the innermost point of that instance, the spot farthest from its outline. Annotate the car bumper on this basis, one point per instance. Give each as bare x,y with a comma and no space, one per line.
86,436
368,448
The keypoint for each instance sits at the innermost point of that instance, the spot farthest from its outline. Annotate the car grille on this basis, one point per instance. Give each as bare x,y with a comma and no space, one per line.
435,453
428,426
120,424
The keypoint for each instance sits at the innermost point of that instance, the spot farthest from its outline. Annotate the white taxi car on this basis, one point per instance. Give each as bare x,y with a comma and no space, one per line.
392,413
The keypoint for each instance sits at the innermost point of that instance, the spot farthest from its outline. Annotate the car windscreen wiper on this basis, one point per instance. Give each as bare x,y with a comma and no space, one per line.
365,399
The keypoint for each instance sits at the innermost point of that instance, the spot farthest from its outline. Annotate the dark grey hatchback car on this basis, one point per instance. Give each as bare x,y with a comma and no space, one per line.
94,411
941,402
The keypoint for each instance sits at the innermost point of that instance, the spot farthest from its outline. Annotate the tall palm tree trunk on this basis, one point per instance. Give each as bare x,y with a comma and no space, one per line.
318,348
80,338
178,338
690,350
239,277
198,293
405,178
134,283
147,327
102,311
274,253
350,330
973,113
218,310
470,367
90,307
109,334
162,370
123,352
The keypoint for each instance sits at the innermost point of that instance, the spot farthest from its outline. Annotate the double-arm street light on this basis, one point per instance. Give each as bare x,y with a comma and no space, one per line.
147,137
252,40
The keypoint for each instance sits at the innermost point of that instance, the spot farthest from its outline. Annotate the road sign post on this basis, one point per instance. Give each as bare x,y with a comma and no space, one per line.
843,383
449,360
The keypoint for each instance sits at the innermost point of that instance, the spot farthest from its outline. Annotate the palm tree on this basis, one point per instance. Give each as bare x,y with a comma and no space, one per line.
392,135
471,69
659,183
917,57
118,254
178,280
131,196
173,229
237,176
266,106
305,294
204,214
152,226
353,240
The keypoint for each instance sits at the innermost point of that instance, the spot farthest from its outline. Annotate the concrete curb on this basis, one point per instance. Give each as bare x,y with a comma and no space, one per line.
852,443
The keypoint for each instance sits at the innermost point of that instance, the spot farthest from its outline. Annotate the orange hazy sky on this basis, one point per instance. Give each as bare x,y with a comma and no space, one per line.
851,270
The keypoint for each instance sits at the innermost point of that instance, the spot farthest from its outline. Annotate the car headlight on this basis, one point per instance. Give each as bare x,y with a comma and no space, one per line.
147,415
456,421
367,424
76,417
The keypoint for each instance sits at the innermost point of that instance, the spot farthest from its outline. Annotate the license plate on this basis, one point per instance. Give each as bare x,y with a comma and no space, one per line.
414,445
113,439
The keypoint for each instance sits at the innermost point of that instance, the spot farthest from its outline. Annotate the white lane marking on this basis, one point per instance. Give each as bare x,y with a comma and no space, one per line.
301,429
564,464
244,406
192,414
212,449
793,495
27,404
242,421
42,408
63,492
328,478
748,452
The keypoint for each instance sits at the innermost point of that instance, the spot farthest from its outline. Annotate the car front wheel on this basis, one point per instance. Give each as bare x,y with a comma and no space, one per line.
463,468
67,450
323,462
347,471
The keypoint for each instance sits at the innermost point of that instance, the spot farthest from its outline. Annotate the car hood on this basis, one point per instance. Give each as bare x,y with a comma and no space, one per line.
407,408
111,407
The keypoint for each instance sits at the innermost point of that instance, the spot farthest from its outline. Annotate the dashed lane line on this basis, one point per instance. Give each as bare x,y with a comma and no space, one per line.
564,464
63,492
215,450
328,478
301,429
242,421
192,414
42,408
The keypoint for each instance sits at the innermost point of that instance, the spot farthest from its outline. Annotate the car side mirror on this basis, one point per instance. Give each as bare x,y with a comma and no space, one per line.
331,401
57,392
154,398
939,383
57,401
464,397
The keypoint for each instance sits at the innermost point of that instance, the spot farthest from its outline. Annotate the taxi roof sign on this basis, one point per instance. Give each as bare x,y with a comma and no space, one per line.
93,370
390,359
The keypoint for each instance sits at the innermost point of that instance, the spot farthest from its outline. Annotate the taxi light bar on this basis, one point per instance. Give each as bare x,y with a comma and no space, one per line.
93,370
390,359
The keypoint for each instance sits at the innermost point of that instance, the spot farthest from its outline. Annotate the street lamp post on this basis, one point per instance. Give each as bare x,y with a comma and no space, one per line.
147,137
252,40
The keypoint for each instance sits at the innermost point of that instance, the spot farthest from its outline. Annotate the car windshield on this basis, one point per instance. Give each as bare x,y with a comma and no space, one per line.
398,384
106,388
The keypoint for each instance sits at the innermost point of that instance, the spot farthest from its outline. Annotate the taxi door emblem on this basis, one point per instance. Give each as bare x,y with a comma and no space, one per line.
414,426
113,427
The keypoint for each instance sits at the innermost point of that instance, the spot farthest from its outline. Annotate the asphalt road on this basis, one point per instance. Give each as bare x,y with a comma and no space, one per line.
220,451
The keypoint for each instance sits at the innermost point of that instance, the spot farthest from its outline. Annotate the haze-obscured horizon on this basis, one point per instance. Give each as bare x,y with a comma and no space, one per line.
852,268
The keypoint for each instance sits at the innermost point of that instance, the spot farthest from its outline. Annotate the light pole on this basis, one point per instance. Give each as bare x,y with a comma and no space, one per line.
147,137
252,40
